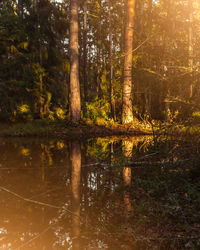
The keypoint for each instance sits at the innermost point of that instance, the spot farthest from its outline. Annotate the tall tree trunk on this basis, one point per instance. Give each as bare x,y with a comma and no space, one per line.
149,17
38,57
127,108
42,100
147,90
99,52
85,70
122,28
75,99
112,100
171,28
190,43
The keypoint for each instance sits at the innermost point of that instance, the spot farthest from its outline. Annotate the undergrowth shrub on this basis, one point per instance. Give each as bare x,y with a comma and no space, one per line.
98,111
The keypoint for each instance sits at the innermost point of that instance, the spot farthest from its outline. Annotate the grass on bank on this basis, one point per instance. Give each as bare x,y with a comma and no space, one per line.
37,127
49,127
65,127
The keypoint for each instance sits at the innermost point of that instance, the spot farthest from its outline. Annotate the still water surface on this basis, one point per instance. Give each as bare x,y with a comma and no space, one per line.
58,194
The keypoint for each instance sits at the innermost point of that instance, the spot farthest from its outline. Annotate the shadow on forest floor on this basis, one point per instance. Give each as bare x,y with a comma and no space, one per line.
69,130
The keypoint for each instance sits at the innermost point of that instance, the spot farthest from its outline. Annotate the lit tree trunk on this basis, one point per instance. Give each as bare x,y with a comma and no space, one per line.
42,101
170,11
149,17
147,90
127,108
75,99
122,29
190,42
112,100
38,58
85,70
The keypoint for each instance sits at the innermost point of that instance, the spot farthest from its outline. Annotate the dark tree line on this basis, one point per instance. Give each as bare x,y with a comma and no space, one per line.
102,60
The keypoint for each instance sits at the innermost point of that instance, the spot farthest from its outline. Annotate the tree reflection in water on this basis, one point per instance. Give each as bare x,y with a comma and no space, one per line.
75,156
127,147
74,207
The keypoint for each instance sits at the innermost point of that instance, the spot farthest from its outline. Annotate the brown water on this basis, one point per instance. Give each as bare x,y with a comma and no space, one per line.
53,196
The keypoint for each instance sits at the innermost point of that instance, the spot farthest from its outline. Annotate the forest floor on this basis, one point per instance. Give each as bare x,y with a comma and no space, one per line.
68,130
65,128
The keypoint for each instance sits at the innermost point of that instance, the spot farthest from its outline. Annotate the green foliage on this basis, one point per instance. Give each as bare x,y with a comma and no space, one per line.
98,148
35,68
23,112
60,113
98,111
31,71
196,116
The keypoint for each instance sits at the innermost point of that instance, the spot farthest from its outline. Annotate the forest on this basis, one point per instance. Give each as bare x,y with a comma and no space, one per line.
99,124
129,61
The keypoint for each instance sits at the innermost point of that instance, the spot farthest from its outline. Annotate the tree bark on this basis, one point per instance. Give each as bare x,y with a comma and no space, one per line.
190,48
150,17
75,99
171,28
127,108
112,100
147,90
99,52
85,70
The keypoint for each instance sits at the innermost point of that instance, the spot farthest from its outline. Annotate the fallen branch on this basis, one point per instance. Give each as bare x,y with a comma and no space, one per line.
36,202
36,237
137,163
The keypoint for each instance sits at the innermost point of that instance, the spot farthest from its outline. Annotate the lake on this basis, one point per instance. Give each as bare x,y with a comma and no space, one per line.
102,193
